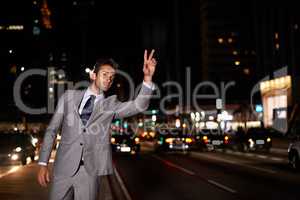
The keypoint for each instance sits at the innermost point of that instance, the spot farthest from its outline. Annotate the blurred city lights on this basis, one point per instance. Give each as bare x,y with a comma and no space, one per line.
87,70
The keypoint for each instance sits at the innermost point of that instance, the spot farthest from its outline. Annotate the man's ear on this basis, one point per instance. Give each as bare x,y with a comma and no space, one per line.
92,75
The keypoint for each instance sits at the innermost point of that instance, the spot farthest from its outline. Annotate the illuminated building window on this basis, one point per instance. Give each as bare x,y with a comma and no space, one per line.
276,35
246,71
220,40
46,13
277,46
234,52
275,95
230,40
237,63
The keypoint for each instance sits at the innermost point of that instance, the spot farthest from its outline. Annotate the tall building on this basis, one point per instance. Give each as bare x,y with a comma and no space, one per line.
227,46
278,59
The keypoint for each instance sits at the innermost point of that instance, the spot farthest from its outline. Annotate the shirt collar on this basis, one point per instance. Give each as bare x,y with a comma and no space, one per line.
89,92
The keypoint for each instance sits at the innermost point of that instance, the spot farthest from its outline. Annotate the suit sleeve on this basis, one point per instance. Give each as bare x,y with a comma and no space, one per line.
139,104
52,130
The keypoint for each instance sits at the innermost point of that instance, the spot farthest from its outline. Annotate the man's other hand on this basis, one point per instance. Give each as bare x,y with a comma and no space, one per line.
43,176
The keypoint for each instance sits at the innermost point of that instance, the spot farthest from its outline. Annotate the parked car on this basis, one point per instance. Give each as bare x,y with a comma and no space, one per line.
16,147
254,139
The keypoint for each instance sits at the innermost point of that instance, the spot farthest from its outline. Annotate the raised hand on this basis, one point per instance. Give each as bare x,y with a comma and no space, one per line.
149,66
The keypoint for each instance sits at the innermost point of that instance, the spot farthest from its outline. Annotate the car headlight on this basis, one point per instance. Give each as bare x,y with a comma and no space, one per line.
112,140
18,149
14,157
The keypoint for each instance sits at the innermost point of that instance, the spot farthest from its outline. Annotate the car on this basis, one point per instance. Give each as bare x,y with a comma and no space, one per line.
258,139
209,139
174,140
125,143
254,139
16,147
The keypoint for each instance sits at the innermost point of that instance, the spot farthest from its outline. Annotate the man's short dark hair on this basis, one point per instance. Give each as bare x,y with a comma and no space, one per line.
105,61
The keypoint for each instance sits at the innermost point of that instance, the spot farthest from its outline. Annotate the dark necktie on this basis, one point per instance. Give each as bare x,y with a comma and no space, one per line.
87,109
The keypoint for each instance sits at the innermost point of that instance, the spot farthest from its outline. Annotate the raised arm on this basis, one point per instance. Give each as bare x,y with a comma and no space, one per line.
141,102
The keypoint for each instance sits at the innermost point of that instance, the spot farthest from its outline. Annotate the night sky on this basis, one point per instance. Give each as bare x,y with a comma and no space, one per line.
84,30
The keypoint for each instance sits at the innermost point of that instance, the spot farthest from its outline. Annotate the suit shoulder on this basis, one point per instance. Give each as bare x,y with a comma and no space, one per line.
69,94
112,98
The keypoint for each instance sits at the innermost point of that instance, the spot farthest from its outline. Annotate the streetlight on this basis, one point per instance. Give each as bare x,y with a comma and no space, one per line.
87,70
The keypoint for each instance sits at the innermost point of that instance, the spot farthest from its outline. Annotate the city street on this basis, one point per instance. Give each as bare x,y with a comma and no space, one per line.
207,176
19,182
171,175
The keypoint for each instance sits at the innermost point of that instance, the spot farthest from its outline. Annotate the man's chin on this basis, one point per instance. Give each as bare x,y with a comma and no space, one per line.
105,89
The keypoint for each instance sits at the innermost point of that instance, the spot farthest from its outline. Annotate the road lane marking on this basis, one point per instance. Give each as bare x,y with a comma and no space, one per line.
253,155
197,155
194,154
121,183
174,165
277,159
262,156
214,183
12,170
219,185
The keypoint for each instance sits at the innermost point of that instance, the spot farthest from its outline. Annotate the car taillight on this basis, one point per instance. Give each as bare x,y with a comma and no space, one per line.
226,138
205,139
137,140
169,140
188,140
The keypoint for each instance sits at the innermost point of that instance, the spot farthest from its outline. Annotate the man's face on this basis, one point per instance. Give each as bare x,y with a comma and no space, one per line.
104,78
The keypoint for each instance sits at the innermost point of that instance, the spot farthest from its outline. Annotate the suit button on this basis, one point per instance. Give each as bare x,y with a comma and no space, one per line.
84,130
81,144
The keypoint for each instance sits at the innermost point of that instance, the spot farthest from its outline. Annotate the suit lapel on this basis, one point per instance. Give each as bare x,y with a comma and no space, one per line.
98,110
77,100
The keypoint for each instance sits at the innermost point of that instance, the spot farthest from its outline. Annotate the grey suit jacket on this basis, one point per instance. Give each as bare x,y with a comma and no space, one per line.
92,141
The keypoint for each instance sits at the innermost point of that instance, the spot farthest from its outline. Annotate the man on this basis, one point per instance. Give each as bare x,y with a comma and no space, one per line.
84,119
